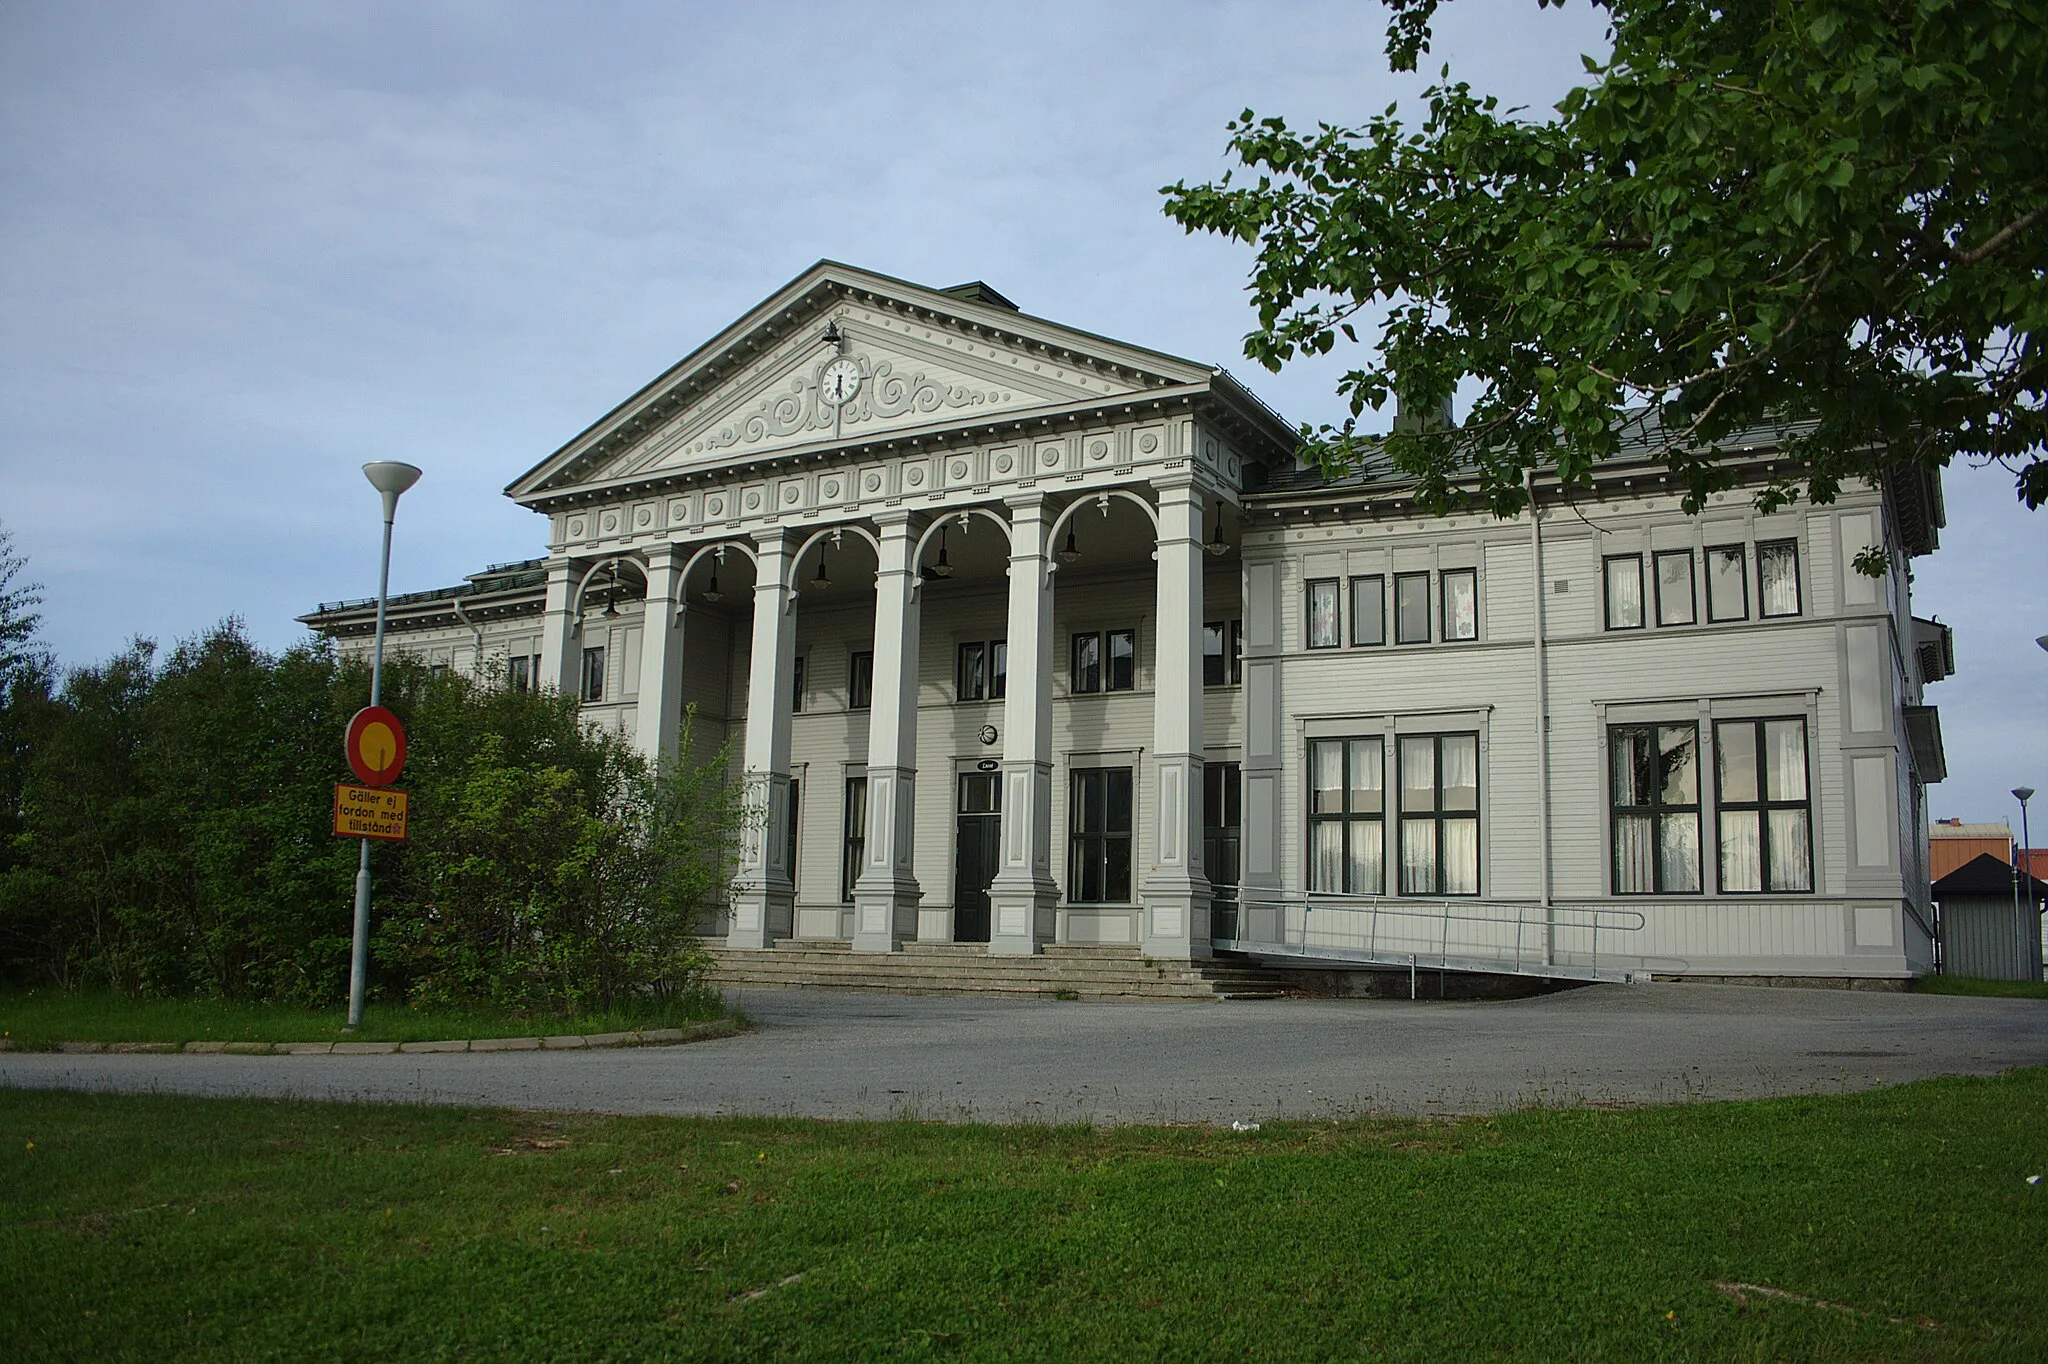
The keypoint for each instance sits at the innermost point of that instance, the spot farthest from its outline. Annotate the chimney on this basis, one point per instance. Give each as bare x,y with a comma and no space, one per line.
1408,417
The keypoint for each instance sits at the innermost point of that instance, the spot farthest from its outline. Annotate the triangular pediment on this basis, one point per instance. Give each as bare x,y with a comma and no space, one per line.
915,360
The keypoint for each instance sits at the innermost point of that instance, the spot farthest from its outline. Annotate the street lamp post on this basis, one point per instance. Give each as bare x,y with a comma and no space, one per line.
390,478
2020,868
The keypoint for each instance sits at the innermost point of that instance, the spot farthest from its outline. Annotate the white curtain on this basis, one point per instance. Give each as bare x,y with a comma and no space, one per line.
1461,772
1461,857
1634,870
1368,857
1418,857
1418,774
1777,569
1322,620
1741,851
1624,593
1791,858
1368,776
1326,856
1785,759
1326,778
1680,852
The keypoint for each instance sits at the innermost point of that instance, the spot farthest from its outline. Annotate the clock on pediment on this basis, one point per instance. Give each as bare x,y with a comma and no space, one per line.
839,381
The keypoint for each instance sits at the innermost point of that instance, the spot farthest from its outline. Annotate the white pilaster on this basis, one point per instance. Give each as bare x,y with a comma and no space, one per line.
885,898
660,712
1175,891
558,629
1023,898
764,897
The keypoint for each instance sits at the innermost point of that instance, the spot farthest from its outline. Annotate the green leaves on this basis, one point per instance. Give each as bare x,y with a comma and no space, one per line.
1755,212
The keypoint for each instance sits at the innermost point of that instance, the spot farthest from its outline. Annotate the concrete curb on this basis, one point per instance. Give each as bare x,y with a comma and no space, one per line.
647,1037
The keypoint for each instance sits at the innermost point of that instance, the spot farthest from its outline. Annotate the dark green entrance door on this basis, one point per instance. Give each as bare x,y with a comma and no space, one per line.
979,845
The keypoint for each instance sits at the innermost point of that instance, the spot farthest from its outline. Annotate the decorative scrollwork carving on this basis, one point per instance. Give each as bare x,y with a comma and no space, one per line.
800,408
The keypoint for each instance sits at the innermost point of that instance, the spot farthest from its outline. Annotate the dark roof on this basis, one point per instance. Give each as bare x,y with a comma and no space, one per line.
1641,431
1986,874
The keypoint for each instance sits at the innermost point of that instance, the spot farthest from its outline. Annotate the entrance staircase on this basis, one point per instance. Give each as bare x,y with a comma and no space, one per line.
1059,972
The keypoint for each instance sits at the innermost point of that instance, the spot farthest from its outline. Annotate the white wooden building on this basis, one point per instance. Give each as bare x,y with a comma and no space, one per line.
1027,636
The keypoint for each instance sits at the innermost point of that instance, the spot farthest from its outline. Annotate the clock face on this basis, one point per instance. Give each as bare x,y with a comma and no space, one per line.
839,381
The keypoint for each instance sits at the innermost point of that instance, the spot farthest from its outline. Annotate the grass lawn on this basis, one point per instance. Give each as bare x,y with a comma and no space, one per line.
37,1019
1970,985
1895,1224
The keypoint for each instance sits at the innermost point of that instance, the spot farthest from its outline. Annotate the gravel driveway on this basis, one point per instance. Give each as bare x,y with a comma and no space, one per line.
830,1054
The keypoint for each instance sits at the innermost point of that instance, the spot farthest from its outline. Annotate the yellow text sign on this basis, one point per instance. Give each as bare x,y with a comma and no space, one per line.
369,812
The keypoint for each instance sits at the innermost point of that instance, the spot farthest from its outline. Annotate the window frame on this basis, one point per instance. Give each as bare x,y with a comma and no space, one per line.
1345,817
1229,637
1790,543
1443,577
1764,804
1311,588
1379,582
976,688
1692,590
796,685
1714,616
1399,620
1656,811
1607,562
1438,816
591,669
519,673
1223,836
1076,686
1129,634
1092,848
853,833
860,681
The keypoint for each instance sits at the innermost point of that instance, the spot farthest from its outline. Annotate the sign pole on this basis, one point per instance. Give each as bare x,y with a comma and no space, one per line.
390,478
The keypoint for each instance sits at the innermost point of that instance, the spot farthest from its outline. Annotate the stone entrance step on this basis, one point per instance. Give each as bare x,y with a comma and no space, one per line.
1063,972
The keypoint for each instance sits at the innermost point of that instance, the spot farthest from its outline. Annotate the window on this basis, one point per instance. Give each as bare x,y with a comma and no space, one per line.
1727,583
1324,629
981,673
1369,610
1461,603
1105,662
1411,608
796,805
1123,660
1099,837
1765,822
519,673
1675,604
1222,653
853,837
1622,576
796,686
1347,829
860,680
1222,827
1087,663
592,688
1439,814
1655,800
1777,578
970,676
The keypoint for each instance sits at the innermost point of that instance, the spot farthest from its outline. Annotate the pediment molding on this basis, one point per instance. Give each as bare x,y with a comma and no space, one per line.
751,390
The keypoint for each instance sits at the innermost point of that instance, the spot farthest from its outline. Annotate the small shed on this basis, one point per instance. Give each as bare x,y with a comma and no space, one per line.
1989,928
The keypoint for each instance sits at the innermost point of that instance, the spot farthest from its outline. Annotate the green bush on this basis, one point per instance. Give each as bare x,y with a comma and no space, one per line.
173,835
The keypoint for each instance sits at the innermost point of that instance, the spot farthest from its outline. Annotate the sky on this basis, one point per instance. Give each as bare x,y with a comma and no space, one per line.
245,247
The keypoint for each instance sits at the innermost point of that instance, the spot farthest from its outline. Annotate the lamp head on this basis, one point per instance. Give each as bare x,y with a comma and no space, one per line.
2023,794
391,477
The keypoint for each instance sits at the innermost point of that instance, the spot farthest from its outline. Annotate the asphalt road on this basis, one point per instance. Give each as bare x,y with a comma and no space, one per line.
833,1054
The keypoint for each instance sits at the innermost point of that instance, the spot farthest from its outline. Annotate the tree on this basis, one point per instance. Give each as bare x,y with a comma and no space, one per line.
1823,217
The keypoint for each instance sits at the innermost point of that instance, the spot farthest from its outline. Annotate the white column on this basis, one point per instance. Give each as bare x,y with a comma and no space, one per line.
558,670
660,712
1023,898
764,897
885,898
1175,890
